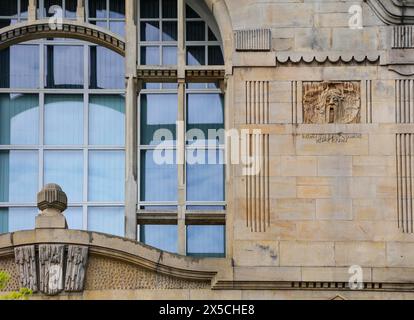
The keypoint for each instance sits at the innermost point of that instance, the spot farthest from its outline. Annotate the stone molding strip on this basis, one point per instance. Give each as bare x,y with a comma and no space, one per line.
22,32
393,12
253,40
403,37
333,58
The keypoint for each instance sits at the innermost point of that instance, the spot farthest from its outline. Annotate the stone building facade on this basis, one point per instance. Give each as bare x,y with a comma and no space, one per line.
324,92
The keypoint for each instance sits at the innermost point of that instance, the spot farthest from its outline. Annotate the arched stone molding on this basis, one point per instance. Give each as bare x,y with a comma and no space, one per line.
120,249
27,31
393,11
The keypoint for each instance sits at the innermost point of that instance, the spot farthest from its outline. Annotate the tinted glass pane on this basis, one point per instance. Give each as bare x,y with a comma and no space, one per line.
18,176
23,8
196,55
117,27
97,9
64,119
107,120
206,241
64,67
19,67
211,35
74,218
51,7
190,13
117,9
106,220
150,55
169,8
215,56
8,8
158,176
158,111
163,237
71,6
169,56
19,119
66,169
205,175
196,31
106,176
4,220
22,219
106,69
150,31
150,9
169,31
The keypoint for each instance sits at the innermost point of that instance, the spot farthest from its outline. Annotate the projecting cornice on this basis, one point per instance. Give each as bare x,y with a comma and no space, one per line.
393,11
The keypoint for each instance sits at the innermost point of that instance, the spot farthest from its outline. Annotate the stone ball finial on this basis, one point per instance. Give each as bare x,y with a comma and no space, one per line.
52,197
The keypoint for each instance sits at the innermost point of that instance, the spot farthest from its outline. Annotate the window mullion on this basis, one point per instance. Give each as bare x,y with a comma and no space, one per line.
181,61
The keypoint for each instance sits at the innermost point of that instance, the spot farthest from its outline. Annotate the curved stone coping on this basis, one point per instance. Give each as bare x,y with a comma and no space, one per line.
119,249
393,12
327,57
39,29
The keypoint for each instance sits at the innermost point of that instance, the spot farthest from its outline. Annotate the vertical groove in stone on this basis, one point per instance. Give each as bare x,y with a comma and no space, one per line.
403,37
404,101
253,40
368,101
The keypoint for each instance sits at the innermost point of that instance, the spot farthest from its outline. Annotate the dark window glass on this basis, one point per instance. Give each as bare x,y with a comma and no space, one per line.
190,13
106,69
24,4
8,8
196,55
196,31
211,35
150,31
150,55
169,31
19,67
64,67
117,9
169,8
206,241
150,9
97,9
4,220
215,56
163,237
48,10
70,10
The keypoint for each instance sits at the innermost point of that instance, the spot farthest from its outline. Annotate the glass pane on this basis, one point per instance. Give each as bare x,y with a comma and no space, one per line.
19,119
158,111
19,172
22,219
163,237
71,6
8,8
169,56
19,67
150,9
106,220
117,27
190,13
106,176
66,169
4,220
196,55
169,9
215,56
159,181
97,9
211,35
196,31
106,69
150,31
107,120
117,9
50,7
206,241
205,175
64,67
150,55
74,218
169,31
63,120
24,4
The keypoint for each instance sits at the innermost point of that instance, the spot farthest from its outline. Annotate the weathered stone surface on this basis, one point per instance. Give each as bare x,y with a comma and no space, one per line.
25,258
51,266
77,259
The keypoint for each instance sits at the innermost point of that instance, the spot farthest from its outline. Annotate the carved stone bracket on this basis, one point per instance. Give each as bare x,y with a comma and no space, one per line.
57,270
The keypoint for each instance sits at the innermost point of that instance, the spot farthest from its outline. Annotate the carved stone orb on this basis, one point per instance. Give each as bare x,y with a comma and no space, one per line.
52,197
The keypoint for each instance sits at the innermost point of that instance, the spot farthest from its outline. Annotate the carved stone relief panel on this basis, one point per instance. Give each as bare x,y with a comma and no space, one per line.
25,258
76,268
51,268
332,102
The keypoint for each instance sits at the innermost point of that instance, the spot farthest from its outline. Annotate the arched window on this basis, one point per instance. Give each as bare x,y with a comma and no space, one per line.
63,120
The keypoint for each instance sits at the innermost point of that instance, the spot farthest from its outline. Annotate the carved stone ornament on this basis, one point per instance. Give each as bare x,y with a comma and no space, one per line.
25,258
331,102
51,270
